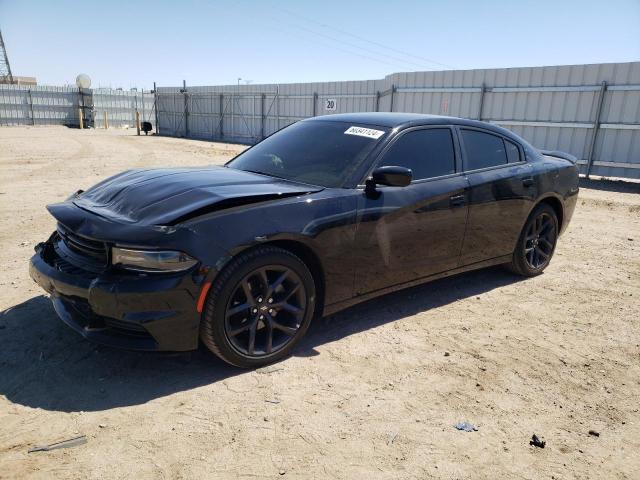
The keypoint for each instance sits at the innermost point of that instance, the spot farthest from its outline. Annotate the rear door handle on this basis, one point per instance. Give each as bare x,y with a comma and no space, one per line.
527,182
457,200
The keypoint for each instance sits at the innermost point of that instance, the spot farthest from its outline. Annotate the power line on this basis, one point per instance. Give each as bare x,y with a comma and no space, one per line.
373,55
362,38
279,30
399,61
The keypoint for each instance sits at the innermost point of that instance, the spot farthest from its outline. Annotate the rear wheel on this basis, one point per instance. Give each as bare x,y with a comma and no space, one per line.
258,308
537,242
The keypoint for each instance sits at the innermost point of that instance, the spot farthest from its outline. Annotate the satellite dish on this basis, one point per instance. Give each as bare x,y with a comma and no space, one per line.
83,81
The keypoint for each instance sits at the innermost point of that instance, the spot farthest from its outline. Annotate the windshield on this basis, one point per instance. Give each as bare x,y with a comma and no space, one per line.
319,153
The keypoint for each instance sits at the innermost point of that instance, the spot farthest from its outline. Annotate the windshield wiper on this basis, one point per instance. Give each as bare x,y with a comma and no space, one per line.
264,173
275,176
253,171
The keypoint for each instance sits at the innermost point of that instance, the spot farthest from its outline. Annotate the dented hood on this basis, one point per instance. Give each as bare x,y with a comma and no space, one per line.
168,196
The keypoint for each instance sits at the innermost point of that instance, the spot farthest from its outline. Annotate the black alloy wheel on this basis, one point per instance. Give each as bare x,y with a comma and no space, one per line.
265,311
537,242
540,241
259,307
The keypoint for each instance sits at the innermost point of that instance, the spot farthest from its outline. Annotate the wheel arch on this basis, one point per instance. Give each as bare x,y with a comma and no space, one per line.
311,259
555,203
300,249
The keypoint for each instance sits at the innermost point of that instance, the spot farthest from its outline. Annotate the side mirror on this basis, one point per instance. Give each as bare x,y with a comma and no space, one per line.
391,176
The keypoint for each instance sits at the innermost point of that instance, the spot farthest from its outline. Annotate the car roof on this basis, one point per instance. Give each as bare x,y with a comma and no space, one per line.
398,119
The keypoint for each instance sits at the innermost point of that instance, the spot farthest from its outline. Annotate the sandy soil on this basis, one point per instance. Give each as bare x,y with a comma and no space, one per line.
371,392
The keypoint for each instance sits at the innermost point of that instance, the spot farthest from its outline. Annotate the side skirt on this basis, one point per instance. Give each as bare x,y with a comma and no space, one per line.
336,307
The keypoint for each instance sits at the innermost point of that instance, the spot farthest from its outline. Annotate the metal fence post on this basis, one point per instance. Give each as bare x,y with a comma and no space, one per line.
186,108
278,106
136,115
596,127
483,89
221,115
155,106
263,100
378,101
213,122
33,120
254,138
80,108
142,95
315,103
393,90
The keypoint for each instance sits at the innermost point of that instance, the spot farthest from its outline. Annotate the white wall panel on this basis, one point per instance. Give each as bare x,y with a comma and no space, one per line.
552,107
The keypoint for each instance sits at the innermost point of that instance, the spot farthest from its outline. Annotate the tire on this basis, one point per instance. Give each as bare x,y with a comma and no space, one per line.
239,307
536,243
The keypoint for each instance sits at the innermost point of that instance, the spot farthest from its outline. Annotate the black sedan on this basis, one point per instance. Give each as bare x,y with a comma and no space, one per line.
321,215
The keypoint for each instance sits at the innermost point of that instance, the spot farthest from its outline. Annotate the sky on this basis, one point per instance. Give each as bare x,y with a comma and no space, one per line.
132,44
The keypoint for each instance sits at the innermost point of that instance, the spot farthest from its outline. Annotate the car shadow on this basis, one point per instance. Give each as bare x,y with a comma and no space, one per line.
404,303
608,185
44,364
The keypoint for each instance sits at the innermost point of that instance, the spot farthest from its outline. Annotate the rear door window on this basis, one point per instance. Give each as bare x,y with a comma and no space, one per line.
428,153
482,150
513,153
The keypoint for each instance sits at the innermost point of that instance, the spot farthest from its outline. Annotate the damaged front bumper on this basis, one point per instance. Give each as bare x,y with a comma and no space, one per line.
154,312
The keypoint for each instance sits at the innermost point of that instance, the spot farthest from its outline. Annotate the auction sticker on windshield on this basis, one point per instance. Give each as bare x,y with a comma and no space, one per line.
364,132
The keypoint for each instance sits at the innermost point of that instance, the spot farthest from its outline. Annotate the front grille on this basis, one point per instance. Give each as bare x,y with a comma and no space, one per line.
91,250
62,265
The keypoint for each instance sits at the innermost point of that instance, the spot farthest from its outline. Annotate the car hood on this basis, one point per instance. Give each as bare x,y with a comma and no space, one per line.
169,196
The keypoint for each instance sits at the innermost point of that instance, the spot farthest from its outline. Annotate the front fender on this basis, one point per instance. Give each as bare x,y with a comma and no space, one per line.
324,223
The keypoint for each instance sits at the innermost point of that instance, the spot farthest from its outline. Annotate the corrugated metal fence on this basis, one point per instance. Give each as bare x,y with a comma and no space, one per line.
121,107
43,105
590,111
22,105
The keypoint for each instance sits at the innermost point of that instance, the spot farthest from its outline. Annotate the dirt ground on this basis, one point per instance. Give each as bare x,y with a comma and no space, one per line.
372,392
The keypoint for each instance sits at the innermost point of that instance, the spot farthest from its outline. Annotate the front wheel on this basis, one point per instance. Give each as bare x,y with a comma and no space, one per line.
259,307
537,242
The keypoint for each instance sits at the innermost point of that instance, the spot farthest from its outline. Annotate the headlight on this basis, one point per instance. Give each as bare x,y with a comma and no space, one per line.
151,260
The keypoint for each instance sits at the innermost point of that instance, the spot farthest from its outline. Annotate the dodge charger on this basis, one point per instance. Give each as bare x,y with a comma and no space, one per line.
325,213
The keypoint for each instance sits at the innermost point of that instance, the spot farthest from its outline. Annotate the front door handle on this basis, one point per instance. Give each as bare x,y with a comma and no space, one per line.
527,182
457,200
